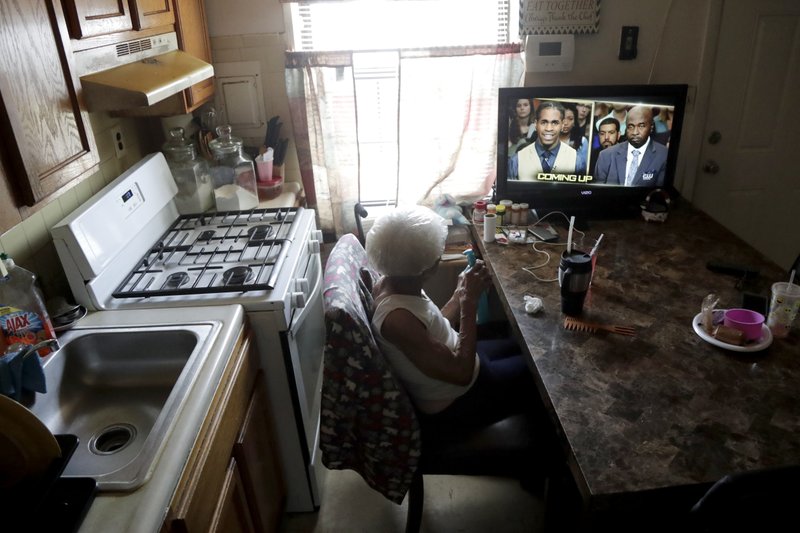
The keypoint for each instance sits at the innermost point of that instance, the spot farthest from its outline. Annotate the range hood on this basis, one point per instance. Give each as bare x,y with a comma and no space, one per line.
137,73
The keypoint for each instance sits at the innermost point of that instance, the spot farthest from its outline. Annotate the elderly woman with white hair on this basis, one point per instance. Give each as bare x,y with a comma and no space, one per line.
450,376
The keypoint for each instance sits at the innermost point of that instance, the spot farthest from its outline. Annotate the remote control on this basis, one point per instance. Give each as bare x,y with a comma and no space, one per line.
733,269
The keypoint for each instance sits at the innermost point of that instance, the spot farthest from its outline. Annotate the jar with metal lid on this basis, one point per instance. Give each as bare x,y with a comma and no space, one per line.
478,211
501,214
192,175
233,173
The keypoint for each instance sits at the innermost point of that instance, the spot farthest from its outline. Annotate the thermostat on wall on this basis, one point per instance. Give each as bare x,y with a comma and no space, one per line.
549,53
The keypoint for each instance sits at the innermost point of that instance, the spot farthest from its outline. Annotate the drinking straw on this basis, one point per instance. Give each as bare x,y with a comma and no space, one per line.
791,277
596,245
569,235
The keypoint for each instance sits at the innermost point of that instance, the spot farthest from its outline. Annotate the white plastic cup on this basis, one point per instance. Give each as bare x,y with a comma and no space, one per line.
783,308
489,227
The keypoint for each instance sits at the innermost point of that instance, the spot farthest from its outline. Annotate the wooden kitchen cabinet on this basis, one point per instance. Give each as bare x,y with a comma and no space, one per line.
232,513
152,13
47,137
192,29
93,18
90,18
231,482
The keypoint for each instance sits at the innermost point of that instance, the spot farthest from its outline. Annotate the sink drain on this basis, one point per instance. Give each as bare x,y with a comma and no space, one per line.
112,439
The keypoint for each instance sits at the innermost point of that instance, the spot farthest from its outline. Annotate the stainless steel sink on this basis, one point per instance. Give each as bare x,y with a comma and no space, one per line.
119,390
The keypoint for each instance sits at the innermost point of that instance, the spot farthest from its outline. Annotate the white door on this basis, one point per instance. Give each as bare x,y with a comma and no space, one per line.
749,176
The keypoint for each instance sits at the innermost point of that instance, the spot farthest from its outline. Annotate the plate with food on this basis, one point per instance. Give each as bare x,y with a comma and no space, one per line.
754,346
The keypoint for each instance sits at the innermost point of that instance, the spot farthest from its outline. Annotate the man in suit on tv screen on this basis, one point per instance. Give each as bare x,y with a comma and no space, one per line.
546,154
637,162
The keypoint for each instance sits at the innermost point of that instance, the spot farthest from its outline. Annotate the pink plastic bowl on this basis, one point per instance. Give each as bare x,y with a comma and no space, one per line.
747,321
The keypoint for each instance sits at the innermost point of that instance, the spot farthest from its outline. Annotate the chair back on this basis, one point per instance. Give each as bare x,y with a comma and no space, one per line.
760,500
367,420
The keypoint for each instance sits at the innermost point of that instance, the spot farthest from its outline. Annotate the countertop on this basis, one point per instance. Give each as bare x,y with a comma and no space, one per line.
663,408
143,510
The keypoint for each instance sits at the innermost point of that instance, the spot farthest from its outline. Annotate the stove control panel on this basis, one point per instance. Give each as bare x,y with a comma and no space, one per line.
130,200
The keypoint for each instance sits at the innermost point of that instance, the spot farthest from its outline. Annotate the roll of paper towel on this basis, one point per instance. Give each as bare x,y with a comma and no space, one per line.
489,227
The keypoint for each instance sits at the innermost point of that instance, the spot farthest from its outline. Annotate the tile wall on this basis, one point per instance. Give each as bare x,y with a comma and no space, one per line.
268,49
29,243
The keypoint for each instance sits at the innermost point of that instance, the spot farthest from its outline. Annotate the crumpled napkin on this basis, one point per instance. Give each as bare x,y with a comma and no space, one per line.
533,304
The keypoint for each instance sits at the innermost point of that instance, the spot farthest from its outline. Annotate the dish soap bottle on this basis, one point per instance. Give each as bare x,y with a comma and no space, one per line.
23,316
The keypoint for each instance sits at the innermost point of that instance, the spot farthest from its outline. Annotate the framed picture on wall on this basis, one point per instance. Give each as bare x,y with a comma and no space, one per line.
542,17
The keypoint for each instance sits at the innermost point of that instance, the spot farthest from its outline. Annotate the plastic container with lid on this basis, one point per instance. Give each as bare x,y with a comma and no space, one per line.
233,173
191,174
501,214
478,211
515,212
523,216
269,185
23,316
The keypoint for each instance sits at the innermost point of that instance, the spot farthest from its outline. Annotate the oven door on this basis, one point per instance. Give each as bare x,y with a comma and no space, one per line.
305,343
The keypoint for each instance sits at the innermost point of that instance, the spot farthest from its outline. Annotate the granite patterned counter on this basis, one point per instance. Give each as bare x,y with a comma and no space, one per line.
663,409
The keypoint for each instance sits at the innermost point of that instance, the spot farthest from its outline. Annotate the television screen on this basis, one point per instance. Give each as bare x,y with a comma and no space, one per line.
592,151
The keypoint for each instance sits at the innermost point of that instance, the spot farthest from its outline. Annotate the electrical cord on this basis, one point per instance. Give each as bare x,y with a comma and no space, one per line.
530,269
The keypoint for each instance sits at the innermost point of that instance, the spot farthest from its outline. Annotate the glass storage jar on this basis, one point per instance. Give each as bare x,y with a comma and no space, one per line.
233,173
191,175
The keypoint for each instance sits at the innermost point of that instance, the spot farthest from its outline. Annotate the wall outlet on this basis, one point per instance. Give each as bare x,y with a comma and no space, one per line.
118,140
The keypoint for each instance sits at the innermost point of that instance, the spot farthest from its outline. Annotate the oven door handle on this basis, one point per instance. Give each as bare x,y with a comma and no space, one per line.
302,312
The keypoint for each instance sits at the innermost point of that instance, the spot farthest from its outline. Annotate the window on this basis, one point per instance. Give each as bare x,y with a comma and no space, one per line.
404,93
398,24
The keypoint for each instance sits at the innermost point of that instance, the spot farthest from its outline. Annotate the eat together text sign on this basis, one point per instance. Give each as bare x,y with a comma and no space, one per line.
558,16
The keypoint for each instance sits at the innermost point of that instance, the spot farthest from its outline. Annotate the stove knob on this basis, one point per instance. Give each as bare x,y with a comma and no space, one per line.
318,234
298,300
314,246
301,284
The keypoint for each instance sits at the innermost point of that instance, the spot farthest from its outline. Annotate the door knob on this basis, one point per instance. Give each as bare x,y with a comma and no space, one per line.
710,167
714,137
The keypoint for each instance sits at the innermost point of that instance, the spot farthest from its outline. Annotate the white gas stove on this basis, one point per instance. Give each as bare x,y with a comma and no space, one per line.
127,247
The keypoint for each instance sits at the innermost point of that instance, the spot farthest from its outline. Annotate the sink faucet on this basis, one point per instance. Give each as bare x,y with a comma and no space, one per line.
34,348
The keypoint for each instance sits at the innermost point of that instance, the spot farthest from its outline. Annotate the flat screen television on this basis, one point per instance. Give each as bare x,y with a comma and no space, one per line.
588,170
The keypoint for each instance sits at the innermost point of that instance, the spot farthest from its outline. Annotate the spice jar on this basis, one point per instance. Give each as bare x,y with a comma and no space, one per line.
523,215
233,173
478,212
191,174
501,214
515,218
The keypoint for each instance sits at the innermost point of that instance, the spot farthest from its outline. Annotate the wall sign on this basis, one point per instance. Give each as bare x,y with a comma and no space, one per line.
541,17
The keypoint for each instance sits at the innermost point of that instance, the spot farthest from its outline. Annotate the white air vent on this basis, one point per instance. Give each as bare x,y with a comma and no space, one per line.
132,47
113,55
